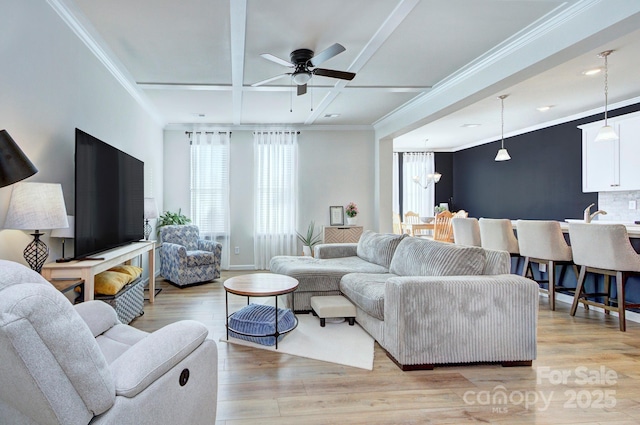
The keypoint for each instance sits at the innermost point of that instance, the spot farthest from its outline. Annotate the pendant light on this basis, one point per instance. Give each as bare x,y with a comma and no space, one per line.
607,132
502,154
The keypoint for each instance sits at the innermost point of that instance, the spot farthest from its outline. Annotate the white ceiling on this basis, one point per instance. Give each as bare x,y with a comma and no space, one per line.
424,67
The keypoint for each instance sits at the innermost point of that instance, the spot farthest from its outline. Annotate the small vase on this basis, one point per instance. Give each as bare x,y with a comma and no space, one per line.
306,251
352,221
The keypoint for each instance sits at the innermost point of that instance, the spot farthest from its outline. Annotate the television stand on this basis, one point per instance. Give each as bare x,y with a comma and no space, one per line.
89,267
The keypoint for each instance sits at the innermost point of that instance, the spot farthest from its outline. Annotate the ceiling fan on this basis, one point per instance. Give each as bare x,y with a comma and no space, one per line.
302,62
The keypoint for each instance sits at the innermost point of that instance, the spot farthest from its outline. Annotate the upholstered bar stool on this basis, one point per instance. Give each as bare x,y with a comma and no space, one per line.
542,242
604,249
497,233
466,231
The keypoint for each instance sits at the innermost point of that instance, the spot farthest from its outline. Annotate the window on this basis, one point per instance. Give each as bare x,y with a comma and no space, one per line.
210,187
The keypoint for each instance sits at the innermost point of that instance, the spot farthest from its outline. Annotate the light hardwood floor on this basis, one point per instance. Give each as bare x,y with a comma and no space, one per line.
587,372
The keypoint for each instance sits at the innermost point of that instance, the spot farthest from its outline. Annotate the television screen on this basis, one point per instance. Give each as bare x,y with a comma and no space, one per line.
109,201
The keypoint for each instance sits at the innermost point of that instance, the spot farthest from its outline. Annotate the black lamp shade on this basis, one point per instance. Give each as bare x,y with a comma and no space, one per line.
14,164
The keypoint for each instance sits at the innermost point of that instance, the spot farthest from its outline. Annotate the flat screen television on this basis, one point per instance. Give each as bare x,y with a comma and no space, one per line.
109,200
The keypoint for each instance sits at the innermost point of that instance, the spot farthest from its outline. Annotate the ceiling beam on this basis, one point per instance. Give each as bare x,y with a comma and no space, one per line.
387,28
287,88
238,21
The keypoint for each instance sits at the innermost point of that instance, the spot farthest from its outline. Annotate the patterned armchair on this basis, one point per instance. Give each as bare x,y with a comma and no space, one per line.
185,259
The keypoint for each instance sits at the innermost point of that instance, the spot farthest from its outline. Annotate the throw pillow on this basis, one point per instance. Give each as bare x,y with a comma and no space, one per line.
425,257
109,282
133,271
378,248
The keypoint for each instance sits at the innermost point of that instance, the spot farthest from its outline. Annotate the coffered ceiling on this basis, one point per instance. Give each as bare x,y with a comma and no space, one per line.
424,67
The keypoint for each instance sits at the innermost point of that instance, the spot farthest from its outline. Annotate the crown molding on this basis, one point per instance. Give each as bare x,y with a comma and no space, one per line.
256,127
82,28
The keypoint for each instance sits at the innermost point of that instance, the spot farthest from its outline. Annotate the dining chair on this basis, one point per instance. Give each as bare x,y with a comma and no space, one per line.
442,230
411,218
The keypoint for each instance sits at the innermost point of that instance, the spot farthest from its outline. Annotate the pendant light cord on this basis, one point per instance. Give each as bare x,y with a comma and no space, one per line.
502,121
606,87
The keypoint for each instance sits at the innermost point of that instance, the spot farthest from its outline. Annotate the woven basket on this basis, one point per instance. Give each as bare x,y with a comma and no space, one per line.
128,302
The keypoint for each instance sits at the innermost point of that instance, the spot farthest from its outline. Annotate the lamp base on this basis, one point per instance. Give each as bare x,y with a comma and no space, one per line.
147,229
36,252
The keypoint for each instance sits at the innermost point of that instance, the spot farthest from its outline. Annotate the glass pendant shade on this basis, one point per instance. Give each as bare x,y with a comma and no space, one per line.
606,133
502,155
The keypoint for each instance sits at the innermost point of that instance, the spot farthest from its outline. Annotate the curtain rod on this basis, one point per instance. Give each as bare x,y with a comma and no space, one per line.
277,131
206,132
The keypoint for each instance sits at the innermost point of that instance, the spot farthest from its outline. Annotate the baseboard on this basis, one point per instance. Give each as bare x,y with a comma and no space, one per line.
241,267
568,299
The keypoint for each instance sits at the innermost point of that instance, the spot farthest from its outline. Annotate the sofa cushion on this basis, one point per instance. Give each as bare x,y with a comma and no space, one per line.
426,257
366,291
200,258
378,248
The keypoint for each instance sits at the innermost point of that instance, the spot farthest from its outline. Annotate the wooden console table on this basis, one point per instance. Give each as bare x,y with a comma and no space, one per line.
342,234
87,269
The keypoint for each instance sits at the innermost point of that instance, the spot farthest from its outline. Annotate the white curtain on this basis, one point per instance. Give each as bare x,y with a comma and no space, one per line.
396,182
276,177
210,187
414,197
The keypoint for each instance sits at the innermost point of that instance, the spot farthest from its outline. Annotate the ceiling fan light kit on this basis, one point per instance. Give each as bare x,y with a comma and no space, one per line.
304,64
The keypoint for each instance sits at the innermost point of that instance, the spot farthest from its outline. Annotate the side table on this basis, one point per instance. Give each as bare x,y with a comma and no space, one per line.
259,285
68,284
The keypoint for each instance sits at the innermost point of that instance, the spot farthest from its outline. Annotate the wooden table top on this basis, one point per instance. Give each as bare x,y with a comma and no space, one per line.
260,284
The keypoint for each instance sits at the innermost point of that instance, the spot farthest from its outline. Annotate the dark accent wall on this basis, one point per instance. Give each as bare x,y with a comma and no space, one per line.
444,188
543,179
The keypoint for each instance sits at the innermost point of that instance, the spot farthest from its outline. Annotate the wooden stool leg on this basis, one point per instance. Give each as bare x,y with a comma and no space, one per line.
620,281
525,267
552,284
607,290
579,290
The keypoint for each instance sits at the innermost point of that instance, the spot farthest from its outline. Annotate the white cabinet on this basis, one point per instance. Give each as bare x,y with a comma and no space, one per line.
612,165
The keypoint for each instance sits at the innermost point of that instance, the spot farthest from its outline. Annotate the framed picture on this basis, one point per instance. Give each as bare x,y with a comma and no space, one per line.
336,216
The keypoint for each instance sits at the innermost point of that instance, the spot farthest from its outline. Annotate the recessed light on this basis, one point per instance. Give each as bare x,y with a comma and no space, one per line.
471,125
331,115
591,72
544,108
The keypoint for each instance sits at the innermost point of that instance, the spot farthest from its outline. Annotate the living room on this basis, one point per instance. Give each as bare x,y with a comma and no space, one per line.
53,83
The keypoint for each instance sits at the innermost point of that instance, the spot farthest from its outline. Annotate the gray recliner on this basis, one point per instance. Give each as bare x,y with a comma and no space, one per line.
65,364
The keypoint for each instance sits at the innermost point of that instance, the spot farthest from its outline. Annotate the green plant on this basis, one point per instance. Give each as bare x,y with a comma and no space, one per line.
168,218
309,239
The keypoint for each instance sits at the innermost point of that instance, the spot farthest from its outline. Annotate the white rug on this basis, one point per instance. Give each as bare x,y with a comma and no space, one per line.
335,343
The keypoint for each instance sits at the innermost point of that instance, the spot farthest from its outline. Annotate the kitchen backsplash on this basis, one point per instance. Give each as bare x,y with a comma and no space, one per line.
616,204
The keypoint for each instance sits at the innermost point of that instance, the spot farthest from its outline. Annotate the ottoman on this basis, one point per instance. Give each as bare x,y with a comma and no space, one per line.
257,323
333,306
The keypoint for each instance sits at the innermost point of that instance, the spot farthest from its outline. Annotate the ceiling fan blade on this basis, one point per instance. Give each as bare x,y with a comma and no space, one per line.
343,75
302,89
270,57
327,54
268,80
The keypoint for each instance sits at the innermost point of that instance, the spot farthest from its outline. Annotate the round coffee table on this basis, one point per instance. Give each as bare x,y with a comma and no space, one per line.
260,285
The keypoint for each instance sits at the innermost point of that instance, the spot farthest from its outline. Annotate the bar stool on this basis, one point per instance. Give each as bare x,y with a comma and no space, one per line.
497,233
542,242
466,231
604,249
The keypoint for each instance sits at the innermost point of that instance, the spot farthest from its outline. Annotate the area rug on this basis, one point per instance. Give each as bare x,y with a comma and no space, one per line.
335,343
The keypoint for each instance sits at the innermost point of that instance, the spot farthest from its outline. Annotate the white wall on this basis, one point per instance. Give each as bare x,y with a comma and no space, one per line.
335,168
50,84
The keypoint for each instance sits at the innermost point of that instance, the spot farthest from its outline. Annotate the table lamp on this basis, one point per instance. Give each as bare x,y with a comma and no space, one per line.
38,206
14,164
64,233
150,212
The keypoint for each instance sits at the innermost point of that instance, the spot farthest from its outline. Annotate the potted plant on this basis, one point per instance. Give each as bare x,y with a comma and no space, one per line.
309,240
352,212
168,218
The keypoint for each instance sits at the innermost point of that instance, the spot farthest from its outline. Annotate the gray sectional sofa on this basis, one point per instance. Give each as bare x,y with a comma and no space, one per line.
425,302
